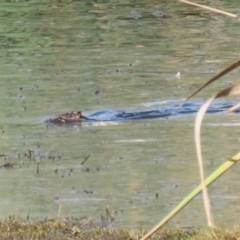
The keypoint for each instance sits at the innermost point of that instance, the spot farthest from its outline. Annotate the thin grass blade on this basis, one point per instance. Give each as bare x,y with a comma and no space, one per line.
213,177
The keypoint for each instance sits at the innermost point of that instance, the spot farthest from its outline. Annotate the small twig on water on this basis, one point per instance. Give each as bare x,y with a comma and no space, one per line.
38,167
85,159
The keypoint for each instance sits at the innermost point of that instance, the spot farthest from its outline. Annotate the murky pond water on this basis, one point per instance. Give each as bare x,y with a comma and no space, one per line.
61,56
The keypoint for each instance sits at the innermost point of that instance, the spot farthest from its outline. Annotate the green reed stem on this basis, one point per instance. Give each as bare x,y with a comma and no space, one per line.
215,175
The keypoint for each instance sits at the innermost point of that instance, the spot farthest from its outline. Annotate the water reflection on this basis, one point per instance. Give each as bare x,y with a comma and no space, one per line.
69,56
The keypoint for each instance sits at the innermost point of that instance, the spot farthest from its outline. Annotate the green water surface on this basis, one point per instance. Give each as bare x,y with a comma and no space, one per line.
61,56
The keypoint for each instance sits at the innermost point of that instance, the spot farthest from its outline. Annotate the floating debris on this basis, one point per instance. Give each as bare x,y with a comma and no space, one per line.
86,169
88,191
8,165
29,154
178,75
89,16
158,13
19,90
135,14
86,158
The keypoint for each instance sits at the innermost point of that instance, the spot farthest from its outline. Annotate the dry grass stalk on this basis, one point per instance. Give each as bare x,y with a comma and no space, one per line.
226,92
209,8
